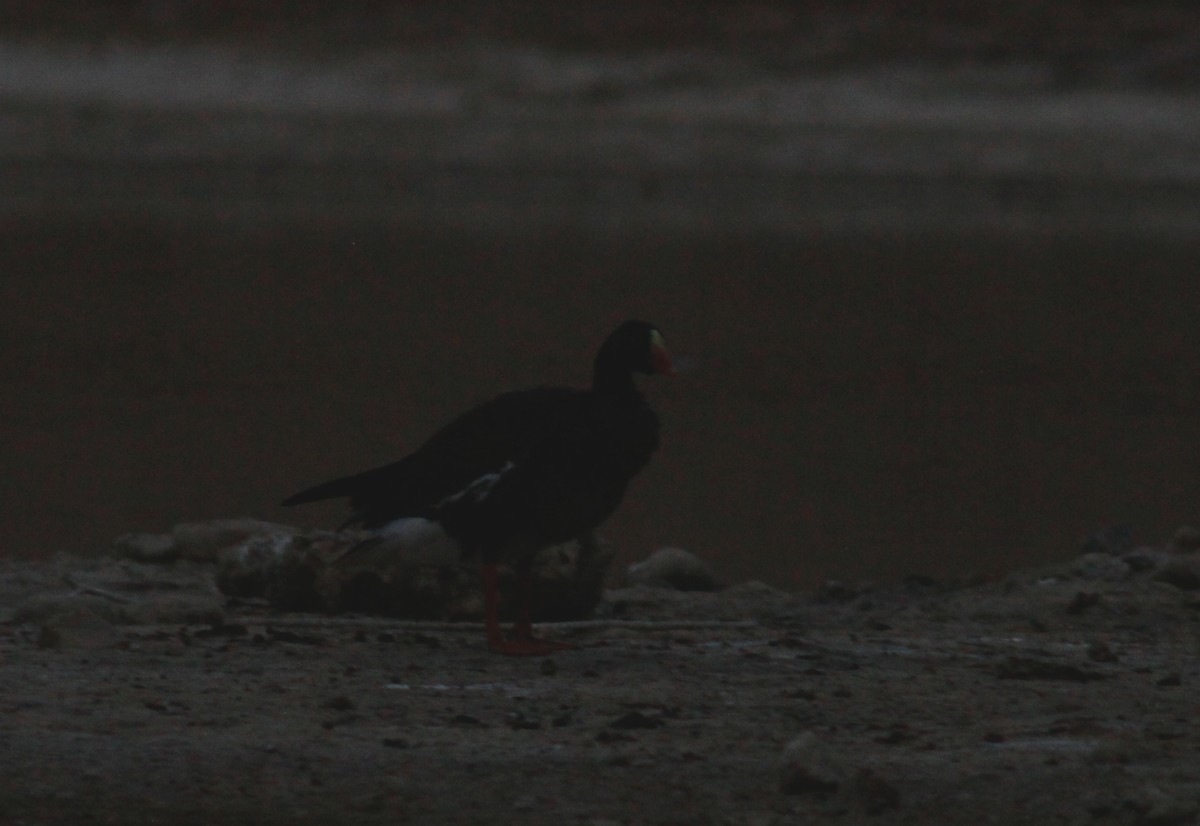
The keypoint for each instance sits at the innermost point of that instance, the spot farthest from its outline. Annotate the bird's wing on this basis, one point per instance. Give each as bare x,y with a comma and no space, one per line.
459,459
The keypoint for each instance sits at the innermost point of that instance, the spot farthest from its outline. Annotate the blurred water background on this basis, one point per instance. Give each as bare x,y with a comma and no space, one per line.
935,281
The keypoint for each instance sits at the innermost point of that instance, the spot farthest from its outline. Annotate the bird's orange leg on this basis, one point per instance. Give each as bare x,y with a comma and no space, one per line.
523,642
523,628
490,575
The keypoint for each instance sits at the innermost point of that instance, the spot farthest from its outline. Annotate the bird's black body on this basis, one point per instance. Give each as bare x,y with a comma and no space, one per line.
518,473
523,471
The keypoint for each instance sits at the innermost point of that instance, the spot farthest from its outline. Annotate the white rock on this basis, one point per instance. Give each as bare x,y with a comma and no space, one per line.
672,568
203,541
415,541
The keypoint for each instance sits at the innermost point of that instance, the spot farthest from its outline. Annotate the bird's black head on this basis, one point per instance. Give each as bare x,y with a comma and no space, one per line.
634,347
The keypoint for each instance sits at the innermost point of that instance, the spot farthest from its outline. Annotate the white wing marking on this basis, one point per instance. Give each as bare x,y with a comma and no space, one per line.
478,491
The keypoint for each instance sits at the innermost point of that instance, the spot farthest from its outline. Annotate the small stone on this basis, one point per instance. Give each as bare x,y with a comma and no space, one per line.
523,721
1030,668
1101,566
78,629
146,547
1117,752
896,735
466,721
1182,572
340,720
1111,540
224,630
636,719
809,768
875,792
834,590
1139,561
1082,601
185,608
1161,806
672,568
1186,540
756,589
46,608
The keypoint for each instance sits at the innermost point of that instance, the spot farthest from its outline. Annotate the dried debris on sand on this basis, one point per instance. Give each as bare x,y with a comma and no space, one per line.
135,691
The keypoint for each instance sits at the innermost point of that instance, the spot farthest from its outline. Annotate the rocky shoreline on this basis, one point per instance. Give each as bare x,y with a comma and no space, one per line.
138,692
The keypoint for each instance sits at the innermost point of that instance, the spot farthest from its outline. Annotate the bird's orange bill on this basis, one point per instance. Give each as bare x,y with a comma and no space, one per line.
659,356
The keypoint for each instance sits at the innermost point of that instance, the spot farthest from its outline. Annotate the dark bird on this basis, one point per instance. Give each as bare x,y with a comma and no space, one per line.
524,471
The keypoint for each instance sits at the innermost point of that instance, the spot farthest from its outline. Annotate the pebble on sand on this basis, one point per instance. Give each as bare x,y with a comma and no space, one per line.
1186,540
1183,572
672,568
809,768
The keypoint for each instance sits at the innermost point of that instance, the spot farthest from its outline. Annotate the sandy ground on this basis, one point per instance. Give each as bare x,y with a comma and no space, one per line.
133,693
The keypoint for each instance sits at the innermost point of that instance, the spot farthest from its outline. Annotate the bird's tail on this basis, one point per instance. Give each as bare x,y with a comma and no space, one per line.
353,487
334,489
